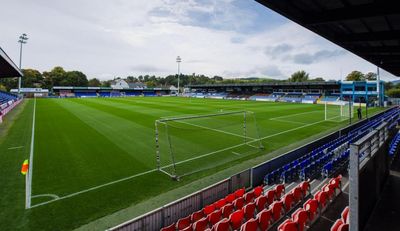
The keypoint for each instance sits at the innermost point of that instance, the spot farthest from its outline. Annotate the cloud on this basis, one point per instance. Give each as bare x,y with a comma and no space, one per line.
230,38
307,58
278,50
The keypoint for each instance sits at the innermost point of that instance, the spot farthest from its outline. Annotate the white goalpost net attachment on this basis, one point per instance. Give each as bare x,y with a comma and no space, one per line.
339,110
189,144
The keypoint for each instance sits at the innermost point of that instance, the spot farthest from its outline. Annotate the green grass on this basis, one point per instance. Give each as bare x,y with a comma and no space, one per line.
83,143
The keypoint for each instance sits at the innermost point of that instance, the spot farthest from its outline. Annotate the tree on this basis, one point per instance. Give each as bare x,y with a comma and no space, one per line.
32,78
370,76
94,82
74,78
299,76
394,93
355,76
318,79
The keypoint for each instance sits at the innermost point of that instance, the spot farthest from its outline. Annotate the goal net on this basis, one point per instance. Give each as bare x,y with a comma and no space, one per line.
339,110
185,145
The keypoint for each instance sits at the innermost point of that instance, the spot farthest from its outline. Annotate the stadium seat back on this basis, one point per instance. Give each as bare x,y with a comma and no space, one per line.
305,187
297,194
200,225
264,219
288,201
300,216
189,228
277,210
183,223
261,201
238,203
208,209
322,198
222,225
220,203
250,225
336,225
239,192
197,215
270,196
248,197
249,210
258,191
279,190
236,219
288,225
227,210
230,198
214,217
344,227
311,206
345,215
171,227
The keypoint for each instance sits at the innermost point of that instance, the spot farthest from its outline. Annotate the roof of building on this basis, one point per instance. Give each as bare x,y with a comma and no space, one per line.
8,67
368,28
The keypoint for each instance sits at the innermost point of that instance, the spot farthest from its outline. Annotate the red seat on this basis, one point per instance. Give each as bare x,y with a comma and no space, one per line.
305,187
264,219
336,182
279,190
322,198
261,201
200,225
248,197
336,225
344,227
250,225
277,210
189,228
230,198
208,209
288,225
297,194
183,223
270,196
238,203
288,201
239,192
258,191
227,210
223,225
300,216
330,190
220,203
197,216
214,217
236,219
311,206
249,210
169,228
345,215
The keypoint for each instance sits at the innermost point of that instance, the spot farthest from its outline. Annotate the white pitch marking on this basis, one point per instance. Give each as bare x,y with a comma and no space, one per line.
181,162
29,178
18,147
46,195
236,153
287,121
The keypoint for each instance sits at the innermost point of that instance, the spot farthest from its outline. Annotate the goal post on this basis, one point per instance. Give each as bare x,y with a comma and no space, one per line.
339,110
189,144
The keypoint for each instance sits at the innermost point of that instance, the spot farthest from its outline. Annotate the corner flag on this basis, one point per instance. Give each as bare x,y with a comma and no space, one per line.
24,168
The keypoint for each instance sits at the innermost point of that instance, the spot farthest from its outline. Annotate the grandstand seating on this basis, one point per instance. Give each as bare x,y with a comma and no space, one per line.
311,98
292,98
331,98
6,97
342,224
327,159
393,148
85,94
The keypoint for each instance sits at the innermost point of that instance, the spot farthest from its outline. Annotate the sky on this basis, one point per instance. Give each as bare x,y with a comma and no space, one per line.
109,38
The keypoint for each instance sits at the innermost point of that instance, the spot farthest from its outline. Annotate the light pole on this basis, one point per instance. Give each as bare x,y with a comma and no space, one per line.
22,40
178,61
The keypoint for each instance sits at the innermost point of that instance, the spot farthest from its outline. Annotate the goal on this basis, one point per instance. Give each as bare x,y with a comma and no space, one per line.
189,144
339,110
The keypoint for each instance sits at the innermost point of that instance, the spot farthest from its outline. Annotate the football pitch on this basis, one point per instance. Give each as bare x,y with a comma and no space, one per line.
91,157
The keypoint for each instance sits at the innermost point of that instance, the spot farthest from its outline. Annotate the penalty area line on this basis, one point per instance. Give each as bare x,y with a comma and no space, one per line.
180,162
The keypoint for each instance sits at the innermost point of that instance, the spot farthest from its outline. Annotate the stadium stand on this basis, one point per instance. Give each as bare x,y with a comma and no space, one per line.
330,98
292,97
311,98
7,102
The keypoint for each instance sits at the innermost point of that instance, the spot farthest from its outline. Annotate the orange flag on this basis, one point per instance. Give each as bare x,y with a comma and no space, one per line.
25,167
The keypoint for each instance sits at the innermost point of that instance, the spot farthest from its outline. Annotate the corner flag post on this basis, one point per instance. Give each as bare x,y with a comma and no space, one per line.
25,171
